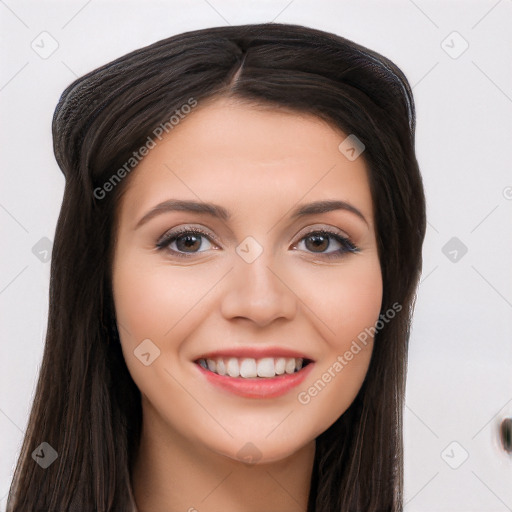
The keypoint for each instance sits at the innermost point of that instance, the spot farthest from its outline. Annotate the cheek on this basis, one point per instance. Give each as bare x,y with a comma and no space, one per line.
345,300
348,306
158,302
151,299
140,307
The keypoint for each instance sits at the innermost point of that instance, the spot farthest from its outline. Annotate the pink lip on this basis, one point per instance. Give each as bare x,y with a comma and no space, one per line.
257,387
255,353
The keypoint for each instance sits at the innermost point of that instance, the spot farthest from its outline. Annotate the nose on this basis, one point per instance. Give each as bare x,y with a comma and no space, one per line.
258,293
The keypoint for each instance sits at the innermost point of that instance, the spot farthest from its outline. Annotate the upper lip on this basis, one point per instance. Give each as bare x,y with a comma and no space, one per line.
254,353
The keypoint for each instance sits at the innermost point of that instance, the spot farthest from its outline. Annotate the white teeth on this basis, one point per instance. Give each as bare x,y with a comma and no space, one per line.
280,365
232,367
250,368
290,365
266,367
221,367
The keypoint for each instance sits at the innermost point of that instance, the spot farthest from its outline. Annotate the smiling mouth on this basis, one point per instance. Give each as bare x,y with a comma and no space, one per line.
250,368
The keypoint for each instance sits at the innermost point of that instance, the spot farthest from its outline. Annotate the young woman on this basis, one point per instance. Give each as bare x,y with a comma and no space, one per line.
232,283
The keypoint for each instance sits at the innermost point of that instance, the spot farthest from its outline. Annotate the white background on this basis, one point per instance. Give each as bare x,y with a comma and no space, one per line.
460,367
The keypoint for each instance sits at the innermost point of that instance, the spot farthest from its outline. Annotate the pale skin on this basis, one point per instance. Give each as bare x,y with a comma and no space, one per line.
259,164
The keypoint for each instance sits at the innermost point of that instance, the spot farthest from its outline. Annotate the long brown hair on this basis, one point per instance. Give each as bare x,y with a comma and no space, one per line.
86,405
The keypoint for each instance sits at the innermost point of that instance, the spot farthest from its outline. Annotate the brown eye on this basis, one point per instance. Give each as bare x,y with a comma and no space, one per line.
185,242
327,244
190,242
317,243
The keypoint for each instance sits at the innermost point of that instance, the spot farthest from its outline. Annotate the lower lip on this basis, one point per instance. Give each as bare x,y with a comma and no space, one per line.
258,387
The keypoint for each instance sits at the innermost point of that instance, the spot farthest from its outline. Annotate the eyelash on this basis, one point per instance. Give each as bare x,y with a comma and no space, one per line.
345,242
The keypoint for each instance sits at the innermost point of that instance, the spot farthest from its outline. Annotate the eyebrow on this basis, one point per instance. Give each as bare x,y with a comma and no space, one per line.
219,212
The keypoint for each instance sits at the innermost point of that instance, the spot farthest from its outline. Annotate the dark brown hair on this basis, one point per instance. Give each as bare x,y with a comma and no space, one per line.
86,405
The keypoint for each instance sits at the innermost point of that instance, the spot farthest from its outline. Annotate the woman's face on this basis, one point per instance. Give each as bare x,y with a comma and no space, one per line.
248,285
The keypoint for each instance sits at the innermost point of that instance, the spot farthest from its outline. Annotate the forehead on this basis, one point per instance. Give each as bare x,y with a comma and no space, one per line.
244,155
